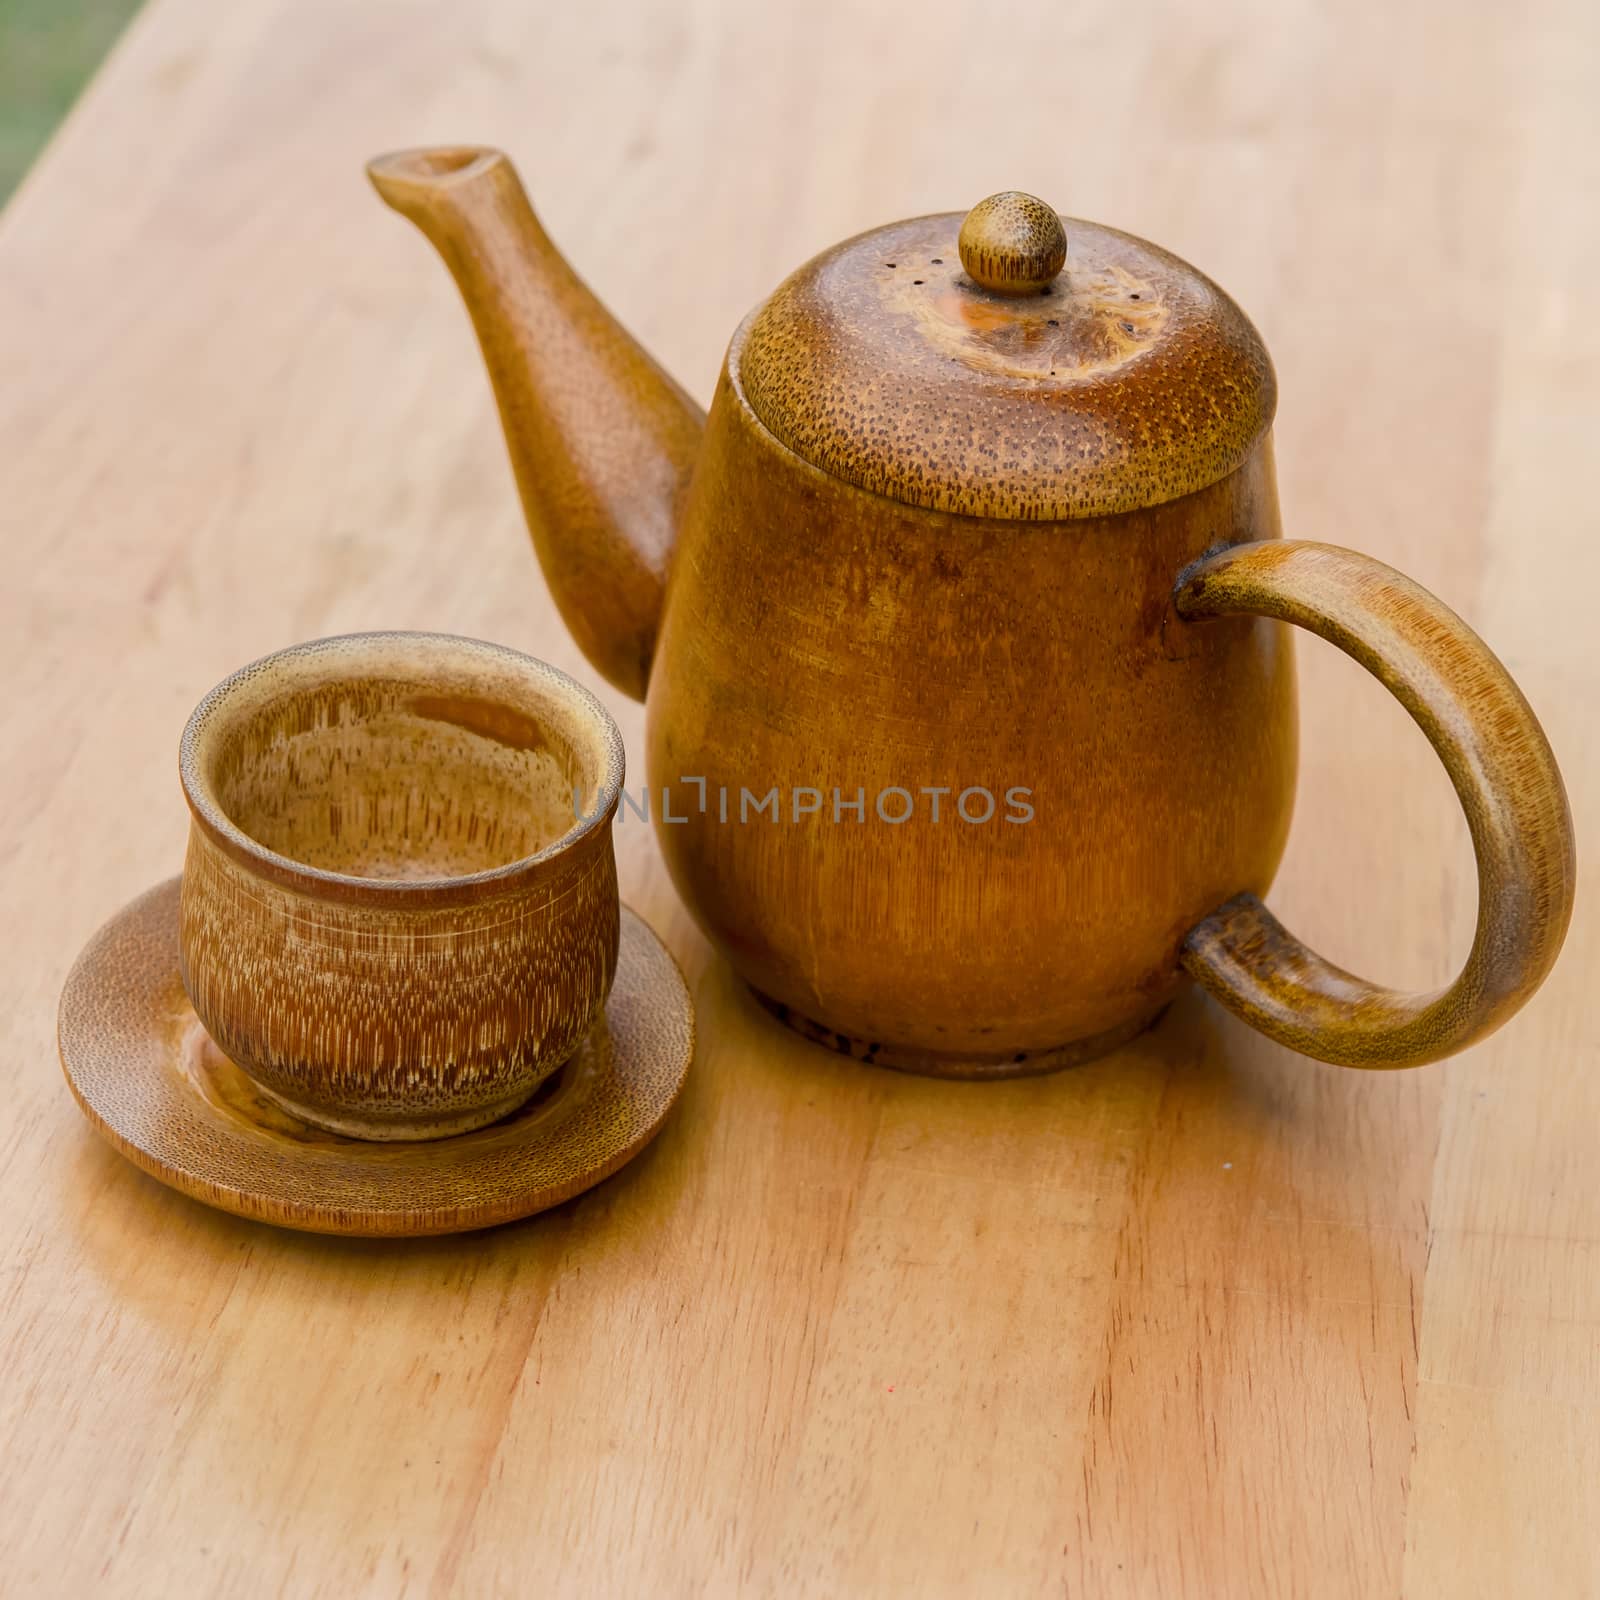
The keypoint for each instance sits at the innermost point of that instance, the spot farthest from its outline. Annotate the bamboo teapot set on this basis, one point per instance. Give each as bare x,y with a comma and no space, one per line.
983,506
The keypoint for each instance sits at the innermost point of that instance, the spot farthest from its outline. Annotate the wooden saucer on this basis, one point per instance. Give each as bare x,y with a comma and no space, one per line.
149,1078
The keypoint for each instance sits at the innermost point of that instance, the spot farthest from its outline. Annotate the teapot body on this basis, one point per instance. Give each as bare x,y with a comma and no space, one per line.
948,789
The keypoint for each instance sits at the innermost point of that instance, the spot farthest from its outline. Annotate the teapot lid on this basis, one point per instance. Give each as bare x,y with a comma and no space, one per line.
953,364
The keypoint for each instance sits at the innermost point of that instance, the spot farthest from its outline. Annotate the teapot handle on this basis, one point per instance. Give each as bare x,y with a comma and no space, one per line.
1500,762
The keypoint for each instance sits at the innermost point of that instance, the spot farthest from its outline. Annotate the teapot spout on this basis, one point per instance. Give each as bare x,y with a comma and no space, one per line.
602,440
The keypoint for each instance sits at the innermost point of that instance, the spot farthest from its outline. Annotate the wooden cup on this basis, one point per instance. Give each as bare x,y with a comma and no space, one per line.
399,908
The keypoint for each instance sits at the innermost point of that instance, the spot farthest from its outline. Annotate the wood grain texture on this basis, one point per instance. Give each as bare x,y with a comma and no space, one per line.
1197,1319
1012,243
931,653
399,907
1503,770
602,440
152,1080
905,650
1127,381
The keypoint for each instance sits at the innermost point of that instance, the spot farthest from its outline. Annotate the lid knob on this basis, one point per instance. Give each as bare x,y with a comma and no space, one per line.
1012,243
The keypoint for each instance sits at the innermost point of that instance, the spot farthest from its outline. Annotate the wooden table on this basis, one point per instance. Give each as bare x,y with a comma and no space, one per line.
1201,1318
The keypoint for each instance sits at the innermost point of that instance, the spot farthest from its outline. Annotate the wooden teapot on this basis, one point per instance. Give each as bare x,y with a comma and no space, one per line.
961,622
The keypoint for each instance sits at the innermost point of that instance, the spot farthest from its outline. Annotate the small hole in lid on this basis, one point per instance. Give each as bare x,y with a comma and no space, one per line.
1054,323
1133,297
916,280
889,264
937,261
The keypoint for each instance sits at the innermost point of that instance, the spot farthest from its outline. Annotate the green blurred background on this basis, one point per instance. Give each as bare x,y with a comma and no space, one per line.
48,51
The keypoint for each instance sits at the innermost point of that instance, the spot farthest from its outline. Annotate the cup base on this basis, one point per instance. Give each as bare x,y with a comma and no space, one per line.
397,1129
931,1064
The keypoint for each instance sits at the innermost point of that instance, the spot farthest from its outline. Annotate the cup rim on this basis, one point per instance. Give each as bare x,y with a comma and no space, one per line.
207,810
